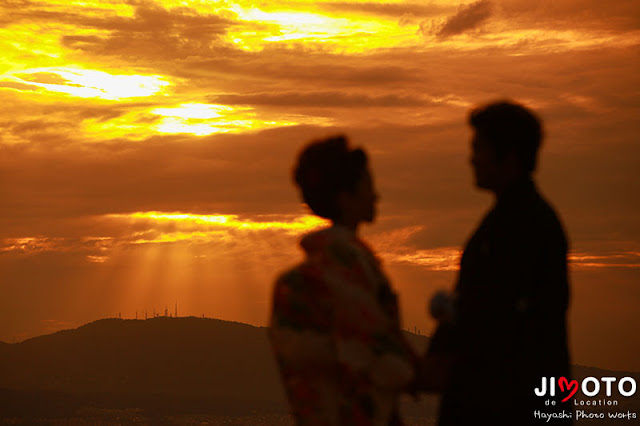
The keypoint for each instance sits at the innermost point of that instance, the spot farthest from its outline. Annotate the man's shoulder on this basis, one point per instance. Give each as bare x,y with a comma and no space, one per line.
529,222
536,212
546,215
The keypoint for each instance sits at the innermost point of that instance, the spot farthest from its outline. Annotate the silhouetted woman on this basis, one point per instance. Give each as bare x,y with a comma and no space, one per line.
334,327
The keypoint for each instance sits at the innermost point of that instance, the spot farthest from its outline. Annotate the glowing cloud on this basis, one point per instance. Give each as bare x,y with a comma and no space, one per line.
347,32
30,244
85,83
439,259
206,119
584,260
292,224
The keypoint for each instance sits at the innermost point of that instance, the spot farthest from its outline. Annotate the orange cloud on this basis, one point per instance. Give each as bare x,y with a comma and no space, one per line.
468,17
612,260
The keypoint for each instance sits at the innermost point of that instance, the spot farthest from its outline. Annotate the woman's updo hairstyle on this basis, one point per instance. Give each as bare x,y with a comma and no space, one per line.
325,168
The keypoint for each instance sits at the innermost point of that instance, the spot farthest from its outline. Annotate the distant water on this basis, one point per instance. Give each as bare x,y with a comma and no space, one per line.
110,417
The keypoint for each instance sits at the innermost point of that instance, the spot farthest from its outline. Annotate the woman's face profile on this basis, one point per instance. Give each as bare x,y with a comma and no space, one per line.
360,205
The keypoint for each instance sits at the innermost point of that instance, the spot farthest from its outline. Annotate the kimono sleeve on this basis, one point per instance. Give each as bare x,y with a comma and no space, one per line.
301,321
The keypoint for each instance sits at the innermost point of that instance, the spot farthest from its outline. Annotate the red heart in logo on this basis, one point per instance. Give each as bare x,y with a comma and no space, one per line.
563,382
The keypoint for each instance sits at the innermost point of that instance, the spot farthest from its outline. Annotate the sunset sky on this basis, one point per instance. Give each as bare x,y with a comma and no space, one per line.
146,149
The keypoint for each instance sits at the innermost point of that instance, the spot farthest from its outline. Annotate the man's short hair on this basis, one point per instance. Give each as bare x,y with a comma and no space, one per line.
509,127
325,168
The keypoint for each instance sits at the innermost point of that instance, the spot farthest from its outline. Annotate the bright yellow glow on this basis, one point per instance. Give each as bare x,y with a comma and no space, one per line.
174,227
195,119
134,125
174,237
197,111
193,228
97,7
352,32
188,118
301,20
217,219
206,119
348,32
176,126
294,224
35,61
85,83
23,45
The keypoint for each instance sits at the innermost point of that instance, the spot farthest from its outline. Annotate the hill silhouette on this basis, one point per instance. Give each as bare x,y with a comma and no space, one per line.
189,356
149,370
163,364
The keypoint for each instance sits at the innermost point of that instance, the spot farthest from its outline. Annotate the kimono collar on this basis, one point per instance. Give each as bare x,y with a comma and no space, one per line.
319,240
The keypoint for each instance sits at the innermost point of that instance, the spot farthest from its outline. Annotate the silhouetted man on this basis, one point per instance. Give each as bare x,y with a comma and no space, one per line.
506,326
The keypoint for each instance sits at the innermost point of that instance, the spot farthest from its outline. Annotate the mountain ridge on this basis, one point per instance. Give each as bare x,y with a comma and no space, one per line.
161,365
418,340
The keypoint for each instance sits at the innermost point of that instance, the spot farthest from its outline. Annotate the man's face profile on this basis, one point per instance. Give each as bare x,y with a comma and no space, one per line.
484,162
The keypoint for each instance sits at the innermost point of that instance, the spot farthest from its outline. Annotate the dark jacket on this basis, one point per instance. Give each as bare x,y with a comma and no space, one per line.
510,331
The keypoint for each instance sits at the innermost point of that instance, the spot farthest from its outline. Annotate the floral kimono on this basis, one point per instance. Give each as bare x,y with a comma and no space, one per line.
336,335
